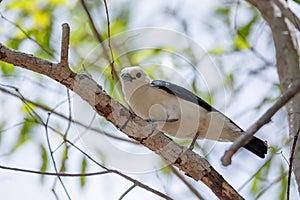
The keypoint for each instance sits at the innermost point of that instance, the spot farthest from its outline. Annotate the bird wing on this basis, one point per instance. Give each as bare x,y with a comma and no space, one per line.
188,96
182,93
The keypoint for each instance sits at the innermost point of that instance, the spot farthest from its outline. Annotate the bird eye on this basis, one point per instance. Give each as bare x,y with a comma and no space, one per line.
138,75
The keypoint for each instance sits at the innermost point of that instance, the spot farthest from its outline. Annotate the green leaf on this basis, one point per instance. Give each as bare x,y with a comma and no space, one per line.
217,51
27,108
284,181
7,69
259,178
15,42
297,1
165,169
44,157
224,13
2,124
229,81
244,31
279,87
194,86
23,135
64,159
240,43
142,55
21,5
255,184
83,170
56,2
26,128
223,10
263,102
118,26
208,97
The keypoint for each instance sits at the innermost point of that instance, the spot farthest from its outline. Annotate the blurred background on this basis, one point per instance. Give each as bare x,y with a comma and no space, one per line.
221,50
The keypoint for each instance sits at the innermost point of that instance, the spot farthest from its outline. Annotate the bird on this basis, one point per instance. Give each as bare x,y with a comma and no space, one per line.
178,112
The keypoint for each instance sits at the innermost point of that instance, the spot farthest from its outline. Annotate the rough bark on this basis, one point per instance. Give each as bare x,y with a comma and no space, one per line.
83,85
287,58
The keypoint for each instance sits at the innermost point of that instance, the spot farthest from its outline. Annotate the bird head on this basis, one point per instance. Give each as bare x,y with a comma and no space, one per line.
134,75
133,78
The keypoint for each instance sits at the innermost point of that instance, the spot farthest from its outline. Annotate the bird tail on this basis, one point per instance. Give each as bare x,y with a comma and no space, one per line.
257,146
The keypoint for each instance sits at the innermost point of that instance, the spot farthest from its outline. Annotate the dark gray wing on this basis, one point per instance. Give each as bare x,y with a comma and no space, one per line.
182,93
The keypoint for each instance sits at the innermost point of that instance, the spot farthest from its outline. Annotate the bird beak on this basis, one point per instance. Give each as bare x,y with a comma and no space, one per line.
127,77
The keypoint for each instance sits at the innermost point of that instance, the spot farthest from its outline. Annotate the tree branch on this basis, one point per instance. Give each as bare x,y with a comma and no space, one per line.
282,4
295,140
265,118
65,45
191,163
287,61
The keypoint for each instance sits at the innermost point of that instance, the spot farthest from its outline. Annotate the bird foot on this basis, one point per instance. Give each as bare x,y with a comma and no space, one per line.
161,120
192,145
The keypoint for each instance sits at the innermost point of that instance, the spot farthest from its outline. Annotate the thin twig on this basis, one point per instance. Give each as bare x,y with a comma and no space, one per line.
70,114
279,178
255,174
52,110
52,158
188,184
135,182
100,39
265,118
113,70
28,36
291,163
127,191
54,173
64,56
31,111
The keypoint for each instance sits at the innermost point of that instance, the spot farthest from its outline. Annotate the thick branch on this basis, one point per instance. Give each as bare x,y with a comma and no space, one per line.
282,4
145,133
288,59
265,118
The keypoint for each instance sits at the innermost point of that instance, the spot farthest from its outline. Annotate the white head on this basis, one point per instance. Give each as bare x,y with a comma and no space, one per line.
134,74
132,78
